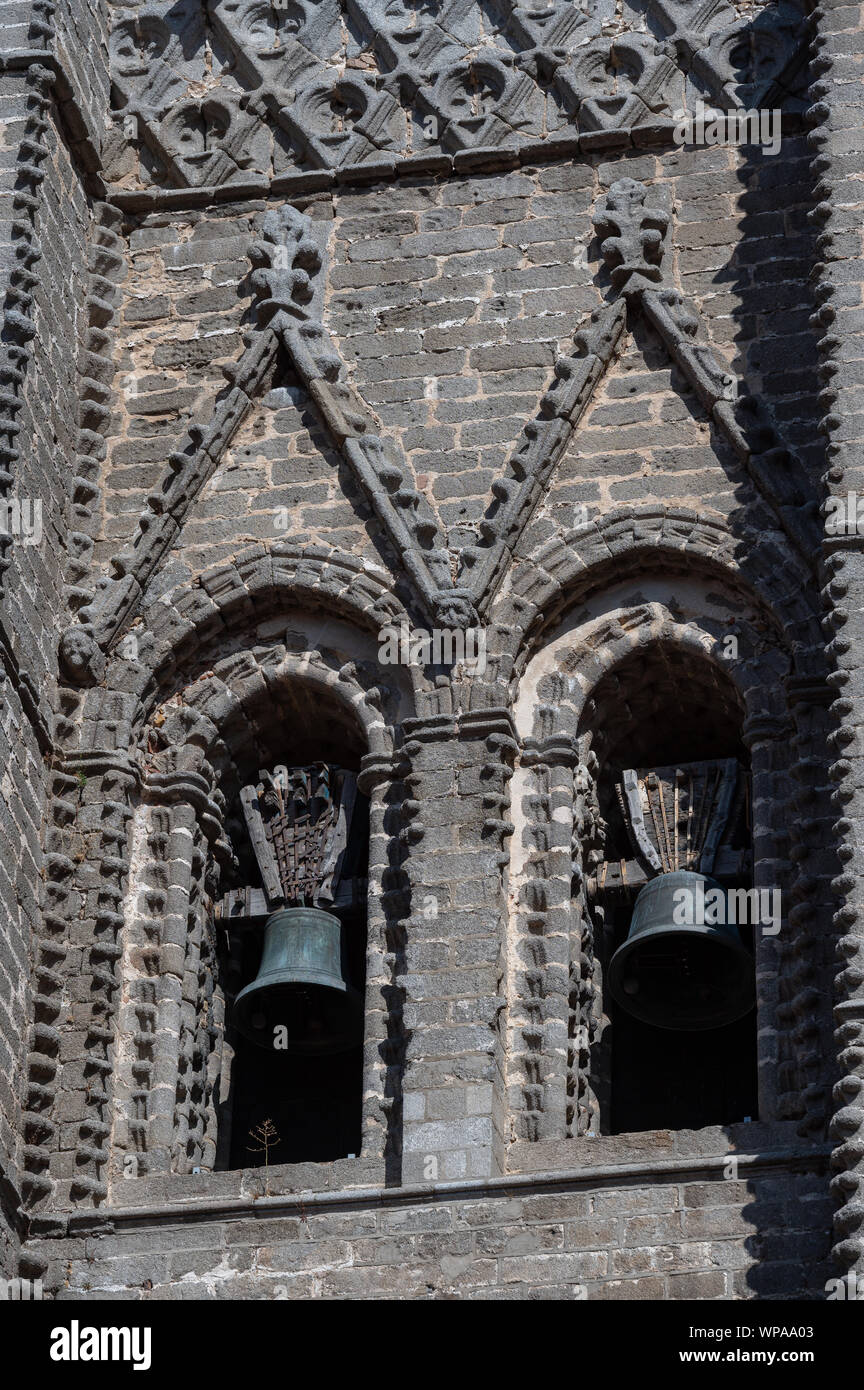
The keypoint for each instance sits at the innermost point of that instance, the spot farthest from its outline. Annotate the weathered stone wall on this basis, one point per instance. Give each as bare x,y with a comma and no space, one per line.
281,383
675,1224
81,46
449,300
837,159
46,210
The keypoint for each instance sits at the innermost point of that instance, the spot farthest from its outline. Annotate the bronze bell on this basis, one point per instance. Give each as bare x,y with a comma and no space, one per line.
681,974
301,986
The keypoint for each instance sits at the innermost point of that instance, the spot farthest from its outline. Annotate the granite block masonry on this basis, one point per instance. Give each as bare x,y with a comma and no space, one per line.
317,326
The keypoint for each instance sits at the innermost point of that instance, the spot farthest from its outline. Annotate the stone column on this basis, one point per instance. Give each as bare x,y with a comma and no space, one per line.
838,165
94,866
171,1011
540,956
460,767
766,738
815,863
383,1045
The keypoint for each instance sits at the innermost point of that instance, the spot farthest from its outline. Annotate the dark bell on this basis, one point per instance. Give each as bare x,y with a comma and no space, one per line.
301,986
674,975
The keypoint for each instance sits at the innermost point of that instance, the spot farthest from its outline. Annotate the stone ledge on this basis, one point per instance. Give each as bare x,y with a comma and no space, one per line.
103,1220
650,1146
69,102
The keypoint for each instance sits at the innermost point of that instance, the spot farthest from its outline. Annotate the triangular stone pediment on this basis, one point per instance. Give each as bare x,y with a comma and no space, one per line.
455,587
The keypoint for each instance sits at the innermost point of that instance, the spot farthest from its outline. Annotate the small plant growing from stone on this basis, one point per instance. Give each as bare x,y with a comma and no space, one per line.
267,1137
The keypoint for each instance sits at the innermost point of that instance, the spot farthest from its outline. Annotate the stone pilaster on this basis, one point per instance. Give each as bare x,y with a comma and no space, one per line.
838,163
172,1010
458,784
540,951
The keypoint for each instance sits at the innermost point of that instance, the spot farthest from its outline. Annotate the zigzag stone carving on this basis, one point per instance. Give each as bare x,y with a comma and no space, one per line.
288,281
82,647
542,444
632,235
216,92
772,40
18,327
107,266
403,511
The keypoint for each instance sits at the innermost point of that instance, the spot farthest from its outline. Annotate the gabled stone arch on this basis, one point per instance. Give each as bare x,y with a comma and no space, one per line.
181,627
544,585
260,582
632,541
211,726
554,807
198,747
607,630
172,678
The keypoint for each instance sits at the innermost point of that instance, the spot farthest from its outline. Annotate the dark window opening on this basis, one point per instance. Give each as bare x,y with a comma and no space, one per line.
314,1102
677,712
293,934
677,1079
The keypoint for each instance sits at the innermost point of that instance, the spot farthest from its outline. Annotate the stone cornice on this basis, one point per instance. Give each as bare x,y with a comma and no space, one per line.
658,136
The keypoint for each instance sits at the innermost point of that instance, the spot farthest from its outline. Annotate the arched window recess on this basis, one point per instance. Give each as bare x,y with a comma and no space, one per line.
293,938
674,913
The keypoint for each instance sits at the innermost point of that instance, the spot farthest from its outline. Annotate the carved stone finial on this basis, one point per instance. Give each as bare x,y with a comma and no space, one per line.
632,234
288,263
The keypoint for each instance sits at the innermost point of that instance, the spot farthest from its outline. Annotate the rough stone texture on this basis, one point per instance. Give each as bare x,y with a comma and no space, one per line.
45,215
318,319
700,1237
244,91
836,140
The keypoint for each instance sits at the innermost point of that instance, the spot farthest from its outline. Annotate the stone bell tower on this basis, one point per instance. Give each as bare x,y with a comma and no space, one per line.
429,623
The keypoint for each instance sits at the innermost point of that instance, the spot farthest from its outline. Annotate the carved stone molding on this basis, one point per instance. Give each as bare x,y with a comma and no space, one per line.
206,95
